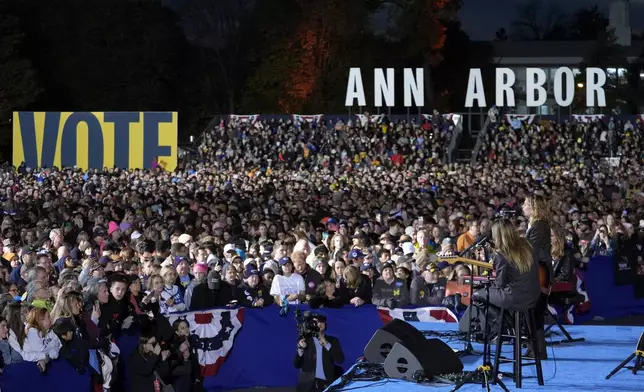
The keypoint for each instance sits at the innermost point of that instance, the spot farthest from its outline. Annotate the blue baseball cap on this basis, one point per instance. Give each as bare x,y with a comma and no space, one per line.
285,260
250,271
367,266
356,254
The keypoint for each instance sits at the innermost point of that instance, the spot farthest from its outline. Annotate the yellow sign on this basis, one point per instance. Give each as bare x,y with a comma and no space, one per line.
95,140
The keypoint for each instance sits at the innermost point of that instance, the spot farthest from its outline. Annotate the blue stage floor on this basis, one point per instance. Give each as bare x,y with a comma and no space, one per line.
571,367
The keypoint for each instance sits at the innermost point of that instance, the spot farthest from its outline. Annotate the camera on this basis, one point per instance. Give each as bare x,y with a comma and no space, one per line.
505,213
307,324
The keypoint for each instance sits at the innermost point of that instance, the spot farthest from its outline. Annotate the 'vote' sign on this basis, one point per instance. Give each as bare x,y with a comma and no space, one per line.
96,140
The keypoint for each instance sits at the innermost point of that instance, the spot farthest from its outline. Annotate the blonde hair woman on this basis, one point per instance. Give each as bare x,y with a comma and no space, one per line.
537,210
69,305
517,281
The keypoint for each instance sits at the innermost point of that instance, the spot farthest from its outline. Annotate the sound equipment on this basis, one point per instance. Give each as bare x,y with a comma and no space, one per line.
382,342
406,354
638,354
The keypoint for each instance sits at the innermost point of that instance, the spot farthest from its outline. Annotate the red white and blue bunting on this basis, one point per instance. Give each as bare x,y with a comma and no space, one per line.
212,333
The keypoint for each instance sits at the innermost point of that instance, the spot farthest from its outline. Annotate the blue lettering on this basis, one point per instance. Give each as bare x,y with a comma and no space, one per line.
122,123
68,152
151,148
28,135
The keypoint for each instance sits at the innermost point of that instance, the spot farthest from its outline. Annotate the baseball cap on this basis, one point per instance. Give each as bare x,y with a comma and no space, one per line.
250,271
367,266
408,248
356,254
285,260
387,265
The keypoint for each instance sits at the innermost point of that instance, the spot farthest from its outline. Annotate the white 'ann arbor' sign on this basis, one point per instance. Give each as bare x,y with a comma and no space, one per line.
505,79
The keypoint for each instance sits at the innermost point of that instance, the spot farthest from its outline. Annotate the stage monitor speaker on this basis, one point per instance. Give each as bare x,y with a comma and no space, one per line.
431,357
382,342
404,351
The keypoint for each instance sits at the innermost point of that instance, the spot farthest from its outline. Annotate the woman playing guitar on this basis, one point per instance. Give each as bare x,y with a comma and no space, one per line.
516,286
536,209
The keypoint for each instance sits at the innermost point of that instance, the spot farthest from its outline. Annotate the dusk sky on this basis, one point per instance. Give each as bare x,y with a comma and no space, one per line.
482,18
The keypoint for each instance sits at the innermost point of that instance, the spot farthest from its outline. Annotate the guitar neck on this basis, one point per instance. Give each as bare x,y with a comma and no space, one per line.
464,260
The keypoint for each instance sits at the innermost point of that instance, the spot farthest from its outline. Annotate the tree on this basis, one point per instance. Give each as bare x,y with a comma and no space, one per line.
460,55
501,35
19,81
304,54
536,22
126,55
588,24
421,27
217,25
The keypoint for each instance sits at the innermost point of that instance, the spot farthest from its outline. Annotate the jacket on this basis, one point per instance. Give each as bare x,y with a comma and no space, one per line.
563,269
423,293
37,347
512,289
397,291
306,363
246,295
142,370
76,352
113,313
9,355
363,291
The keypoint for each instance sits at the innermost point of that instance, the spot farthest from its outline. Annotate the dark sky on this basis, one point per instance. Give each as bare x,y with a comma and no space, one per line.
482,18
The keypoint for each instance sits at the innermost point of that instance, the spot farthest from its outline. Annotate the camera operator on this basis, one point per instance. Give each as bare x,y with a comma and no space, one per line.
317,356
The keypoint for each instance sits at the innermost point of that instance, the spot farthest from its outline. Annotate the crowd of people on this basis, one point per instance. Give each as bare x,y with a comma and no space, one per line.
329,214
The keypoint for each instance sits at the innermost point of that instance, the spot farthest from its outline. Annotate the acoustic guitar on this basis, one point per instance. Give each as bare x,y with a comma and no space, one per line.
544,276
544,279
464,260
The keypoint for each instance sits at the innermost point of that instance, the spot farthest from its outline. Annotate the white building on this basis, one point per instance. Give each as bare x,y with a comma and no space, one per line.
550,55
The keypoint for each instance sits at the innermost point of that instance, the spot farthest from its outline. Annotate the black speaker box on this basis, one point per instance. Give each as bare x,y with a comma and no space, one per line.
404,351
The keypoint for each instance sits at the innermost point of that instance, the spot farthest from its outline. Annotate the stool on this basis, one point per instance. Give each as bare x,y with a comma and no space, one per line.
524,331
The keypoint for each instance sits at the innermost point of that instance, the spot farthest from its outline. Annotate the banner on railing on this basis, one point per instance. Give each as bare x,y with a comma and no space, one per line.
212,334
587,118
301,118
244,118
431,314
456,118
529,118
372,118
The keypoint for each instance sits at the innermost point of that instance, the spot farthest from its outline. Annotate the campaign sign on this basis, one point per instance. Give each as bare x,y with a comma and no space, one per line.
95,140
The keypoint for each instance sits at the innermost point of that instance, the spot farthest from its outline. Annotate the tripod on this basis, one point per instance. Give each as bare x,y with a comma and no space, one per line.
484,370
639,362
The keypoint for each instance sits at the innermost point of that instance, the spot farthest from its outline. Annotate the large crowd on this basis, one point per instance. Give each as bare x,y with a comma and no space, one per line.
329,214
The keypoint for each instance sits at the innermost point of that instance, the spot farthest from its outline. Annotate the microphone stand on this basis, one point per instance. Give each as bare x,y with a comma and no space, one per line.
484,370
468,349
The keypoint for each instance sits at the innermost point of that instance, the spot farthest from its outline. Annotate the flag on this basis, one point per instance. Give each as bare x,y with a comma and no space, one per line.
529,118
431,314
244,118
587,118
300,118
374,118
212,334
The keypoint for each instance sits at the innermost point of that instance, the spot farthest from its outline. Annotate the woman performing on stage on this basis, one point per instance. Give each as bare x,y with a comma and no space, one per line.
516,286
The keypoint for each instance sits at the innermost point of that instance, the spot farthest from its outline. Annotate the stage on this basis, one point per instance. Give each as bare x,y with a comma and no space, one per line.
570,367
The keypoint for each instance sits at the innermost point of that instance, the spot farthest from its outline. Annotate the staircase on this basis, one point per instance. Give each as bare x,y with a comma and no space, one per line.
466,148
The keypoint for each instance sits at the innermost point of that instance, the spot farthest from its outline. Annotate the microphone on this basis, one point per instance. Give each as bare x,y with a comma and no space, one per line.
478,243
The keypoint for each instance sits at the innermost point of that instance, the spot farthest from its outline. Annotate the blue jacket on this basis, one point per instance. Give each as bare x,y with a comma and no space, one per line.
9,355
